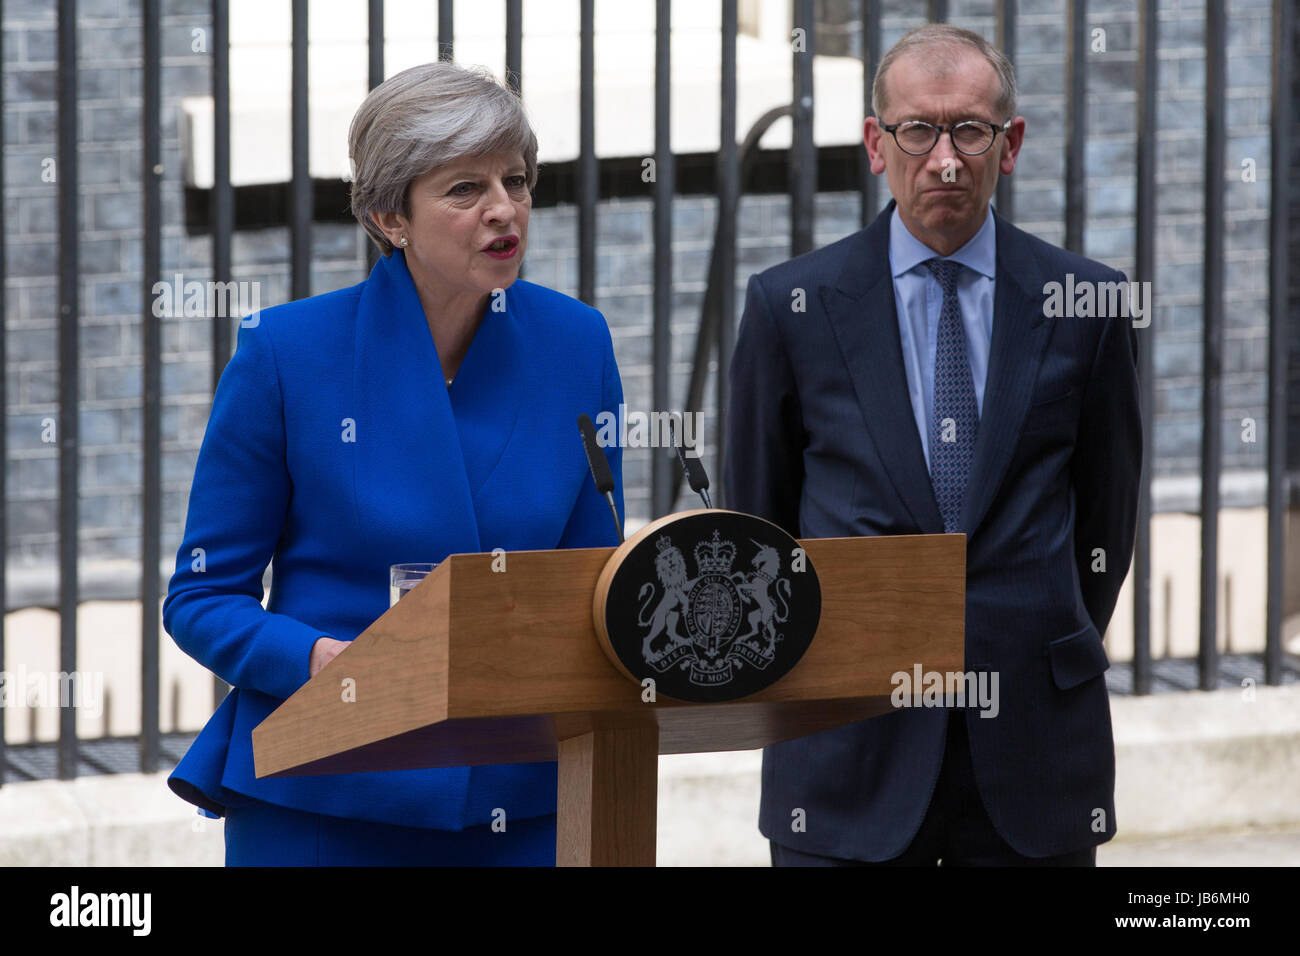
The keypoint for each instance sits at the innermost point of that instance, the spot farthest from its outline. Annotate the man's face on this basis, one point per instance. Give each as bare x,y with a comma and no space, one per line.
942,196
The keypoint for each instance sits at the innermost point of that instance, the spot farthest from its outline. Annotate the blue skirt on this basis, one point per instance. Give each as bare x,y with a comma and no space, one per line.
264,834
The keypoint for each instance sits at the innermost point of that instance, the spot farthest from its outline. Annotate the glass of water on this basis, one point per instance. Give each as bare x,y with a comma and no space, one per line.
403,577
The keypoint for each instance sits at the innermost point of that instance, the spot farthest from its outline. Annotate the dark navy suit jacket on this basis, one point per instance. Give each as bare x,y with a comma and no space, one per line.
335,449
822,440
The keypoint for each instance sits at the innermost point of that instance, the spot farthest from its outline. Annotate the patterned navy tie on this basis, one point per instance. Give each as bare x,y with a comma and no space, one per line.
956,414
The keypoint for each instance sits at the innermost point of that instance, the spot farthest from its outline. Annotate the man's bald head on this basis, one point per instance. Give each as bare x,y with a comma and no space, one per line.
940,49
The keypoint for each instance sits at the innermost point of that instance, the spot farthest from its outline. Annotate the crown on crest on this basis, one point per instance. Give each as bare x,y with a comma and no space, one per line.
715,557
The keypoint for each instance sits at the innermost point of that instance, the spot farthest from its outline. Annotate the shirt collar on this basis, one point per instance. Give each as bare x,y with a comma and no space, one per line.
906,252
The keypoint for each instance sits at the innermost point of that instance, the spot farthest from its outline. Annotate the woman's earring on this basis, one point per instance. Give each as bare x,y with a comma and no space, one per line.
403,242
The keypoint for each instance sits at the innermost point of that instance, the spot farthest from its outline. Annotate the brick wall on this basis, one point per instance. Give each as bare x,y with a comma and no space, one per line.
111,257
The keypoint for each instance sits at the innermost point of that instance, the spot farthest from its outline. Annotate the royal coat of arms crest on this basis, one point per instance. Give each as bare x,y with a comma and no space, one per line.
719,620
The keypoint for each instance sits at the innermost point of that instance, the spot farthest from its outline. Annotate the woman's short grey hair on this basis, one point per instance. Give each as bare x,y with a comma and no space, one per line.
940,45
423,118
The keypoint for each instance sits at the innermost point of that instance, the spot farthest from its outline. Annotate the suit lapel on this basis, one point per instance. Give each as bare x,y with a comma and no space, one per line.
488,390
864,317
1020,333
410,475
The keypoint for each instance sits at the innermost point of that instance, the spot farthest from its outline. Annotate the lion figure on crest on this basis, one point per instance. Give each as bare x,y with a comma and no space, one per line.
670,566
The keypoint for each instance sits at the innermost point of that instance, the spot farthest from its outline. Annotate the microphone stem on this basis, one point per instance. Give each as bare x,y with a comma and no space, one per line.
618,525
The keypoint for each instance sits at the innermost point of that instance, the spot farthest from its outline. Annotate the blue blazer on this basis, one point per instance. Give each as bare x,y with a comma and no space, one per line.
827,446
335,449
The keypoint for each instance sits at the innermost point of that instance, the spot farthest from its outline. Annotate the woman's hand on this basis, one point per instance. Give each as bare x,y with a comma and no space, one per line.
322,652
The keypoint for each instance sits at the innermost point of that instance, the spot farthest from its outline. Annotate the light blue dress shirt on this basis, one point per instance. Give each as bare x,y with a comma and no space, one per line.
919,299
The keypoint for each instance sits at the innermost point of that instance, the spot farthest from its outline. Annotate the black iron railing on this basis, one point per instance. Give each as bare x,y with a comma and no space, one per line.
719,311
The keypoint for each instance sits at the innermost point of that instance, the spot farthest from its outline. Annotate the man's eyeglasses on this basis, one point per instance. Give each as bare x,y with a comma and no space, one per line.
971,137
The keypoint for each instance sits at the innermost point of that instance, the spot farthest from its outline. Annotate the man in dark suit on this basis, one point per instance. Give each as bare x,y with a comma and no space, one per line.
916,377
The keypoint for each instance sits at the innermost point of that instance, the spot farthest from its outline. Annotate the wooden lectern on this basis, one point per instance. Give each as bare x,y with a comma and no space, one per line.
474,666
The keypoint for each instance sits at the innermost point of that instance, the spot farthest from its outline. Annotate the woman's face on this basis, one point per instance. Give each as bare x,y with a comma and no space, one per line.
468,226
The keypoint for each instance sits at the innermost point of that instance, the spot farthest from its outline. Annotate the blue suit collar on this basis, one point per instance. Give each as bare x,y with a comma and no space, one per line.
404,425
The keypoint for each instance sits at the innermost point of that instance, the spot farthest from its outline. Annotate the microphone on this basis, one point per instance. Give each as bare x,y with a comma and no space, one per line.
599,465
694,469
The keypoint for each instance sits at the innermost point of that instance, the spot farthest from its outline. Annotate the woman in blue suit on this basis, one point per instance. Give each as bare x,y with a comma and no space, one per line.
429,410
